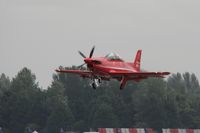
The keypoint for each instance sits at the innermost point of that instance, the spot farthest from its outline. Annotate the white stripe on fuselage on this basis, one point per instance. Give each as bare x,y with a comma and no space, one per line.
118,68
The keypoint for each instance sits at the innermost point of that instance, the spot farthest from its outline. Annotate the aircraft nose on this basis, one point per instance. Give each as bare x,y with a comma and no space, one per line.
88,60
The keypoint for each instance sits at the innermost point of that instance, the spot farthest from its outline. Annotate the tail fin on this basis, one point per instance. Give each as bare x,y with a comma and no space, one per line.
136,63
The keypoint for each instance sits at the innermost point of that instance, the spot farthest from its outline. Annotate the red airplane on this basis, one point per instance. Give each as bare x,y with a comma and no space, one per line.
112,67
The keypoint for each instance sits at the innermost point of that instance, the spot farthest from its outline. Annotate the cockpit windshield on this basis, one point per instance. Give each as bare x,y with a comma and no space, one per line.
113,56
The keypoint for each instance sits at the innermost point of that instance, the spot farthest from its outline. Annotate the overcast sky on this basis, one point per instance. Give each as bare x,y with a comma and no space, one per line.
44,34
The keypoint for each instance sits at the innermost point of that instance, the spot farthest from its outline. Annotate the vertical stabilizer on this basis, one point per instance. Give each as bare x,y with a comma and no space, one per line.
136,63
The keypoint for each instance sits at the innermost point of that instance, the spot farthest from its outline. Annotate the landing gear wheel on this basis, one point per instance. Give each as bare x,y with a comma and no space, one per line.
99,80
121,87
94,86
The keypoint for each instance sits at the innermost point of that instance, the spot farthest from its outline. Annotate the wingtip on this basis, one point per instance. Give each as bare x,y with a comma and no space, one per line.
57,70
163,73
166,73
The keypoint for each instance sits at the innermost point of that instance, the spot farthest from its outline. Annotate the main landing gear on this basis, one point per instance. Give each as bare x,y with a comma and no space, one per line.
123,83
95,83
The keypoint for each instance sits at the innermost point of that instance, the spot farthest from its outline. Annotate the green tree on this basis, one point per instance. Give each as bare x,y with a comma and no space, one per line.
4,84
186,91
18,102
149,103
104,117
79,95
70,103
60,115
185,83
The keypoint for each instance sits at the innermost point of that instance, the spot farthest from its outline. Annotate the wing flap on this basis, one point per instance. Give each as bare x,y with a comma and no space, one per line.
140,74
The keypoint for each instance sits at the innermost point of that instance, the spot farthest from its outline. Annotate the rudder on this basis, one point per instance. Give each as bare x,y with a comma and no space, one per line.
136,63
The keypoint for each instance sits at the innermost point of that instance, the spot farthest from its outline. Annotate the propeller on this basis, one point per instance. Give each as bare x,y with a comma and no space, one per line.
82,54
92,51
90,55
81,65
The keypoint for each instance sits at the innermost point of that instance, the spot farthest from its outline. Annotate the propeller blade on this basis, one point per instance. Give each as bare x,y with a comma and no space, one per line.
92,51
81,54
81,65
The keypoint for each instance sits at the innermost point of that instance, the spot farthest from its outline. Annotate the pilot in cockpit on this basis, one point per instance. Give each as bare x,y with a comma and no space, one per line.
113,56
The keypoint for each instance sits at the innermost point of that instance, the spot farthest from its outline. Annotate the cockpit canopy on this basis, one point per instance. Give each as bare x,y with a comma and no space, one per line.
113,56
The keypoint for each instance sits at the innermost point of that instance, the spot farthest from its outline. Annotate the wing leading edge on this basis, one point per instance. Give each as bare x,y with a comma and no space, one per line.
80,72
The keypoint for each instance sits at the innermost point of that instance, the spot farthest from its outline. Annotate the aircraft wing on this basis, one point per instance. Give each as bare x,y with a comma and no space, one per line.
80,72
139,74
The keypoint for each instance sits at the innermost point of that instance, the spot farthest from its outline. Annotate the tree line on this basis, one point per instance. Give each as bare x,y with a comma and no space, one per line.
69,103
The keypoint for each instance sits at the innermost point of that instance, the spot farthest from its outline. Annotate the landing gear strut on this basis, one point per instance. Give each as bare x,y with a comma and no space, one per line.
123,83
95,83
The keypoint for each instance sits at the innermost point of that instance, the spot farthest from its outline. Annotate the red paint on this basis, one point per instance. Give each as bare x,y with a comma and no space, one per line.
101,130
115,130
113,67
174,130
189,130
150,130
133,130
